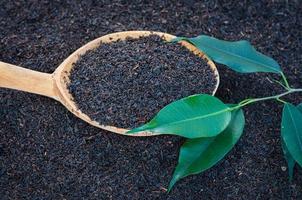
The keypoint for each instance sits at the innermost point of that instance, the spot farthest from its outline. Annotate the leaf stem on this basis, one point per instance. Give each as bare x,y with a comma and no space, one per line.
280,100
285,81
276,97
281,84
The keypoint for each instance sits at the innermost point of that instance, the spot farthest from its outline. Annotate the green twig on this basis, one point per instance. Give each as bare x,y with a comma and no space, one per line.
275,97
244,101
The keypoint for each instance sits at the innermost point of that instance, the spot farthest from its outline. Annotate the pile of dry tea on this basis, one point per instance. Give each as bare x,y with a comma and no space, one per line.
125,83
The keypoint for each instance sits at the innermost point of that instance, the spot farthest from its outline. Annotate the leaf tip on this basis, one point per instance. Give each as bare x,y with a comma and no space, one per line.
176,177
290,178
171,184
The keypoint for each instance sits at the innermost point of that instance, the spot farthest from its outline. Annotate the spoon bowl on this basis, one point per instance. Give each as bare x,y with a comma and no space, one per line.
55,85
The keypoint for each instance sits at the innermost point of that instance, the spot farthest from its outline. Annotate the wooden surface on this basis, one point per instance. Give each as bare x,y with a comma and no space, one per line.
55,85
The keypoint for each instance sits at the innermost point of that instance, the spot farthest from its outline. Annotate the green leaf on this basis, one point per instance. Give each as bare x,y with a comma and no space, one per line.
291,131
240,56
200,154
300,107
191,117
289,159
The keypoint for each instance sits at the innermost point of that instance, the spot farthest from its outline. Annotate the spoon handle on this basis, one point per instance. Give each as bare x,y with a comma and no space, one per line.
27,80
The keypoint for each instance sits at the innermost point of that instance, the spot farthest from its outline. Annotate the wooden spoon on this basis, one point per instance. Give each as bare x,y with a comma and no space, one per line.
55,85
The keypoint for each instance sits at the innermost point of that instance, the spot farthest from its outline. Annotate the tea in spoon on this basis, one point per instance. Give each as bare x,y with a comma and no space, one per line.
55,85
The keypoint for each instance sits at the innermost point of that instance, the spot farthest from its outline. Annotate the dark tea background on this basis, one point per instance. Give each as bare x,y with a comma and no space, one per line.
47,153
